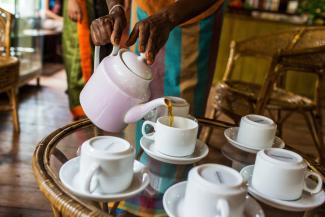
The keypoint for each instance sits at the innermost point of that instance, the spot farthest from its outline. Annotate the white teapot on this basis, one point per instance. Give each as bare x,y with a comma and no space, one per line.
114,94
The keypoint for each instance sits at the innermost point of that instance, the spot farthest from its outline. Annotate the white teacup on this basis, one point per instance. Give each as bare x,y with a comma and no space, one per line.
256,131
178,141
282,174
109,160
214,190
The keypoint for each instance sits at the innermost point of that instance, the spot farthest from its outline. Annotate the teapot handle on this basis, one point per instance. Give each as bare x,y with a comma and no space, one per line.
114,52
96,57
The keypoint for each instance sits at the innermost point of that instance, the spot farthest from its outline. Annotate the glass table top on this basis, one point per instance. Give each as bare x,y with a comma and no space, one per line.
64,143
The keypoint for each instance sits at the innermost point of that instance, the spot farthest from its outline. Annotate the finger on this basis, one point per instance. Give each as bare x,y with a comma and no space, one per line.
93,33
151,48
143,36
106,29
117,31
133,36
71,16
75,16
79,15
98,34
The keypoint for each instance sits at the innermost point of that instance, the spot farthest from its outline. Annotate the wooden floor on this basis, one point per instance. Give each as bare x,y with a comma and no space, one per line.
42,110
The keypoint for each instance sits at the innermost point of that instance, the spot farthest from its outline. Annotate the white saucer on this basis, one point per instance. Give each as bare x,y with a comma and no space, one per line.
201,150
231,136
306,202
175,194
69,175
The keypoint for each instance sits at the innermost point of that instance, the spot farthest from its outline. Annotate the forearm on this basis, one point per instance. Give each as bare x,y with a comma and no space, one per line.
52,15
183,10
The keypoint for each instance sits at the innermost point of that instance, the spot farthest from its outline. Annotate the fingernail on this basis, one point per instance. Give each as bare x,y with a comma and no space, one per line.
116,41
141,48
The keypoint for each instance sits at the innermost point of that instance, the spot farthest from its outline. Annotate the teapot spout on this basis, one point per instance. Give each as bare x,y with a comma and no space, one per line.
139,111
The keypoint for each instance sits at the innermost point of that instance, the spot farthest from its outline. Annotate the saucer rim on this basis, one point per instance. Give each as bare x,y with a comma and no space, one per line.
170,159
145,180
180,184
277,203
240,146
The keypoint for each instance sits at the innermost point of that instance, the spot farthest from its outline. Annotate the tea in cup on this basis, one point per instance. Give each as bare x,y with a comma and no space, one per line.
178,140
214,189
282,174
109,161
256,132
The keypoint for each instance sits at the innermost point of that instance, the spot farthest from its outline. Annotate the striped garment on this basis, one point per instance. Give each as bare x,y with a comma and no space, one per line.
183,67
77,53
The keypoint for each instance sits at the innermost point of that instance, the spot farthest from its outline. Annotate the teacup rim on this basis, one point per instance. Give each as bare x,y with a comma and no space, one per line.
184,102
177,117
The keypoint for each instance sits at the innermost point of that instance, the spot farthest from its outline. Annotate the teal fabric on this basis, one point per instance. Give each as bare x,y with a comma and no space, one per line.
206,34
172,63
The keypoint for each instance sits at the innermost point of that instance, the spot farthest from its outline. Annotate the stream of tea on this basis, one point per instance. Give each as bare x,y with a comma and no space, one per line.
169,106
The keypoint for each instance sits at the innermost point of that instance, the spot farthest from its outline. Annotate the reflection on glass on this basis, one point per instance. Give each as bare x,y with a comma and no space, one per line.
24,45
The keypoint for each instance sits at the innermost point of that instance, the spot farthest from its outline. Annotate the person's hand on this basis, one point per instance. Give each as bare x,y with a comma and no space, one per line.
153,33
109,28
74,11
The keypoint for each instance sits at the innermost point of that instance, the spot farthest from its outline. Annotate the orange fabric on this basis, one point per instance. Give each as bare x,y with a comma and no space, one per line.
84,42
151,7
77,112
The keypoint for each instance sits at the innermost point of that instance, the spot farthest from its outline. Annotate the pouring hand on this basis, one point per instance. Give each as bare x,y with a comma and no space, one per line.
153,33
109,28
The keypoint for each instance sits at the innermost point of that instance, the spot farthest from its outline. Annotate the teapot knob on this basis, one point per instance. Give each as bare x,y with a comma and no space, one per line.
142,57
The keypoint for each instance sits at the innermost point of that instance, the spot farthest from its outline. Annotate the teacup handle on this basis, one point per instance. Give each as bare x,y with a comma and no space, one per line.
222,208
318,187
91,173
144,133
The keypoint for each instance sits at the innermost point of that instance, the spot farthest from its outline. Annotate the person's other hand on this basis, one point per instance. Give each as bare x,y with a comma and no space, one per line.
153,33
109,28
74,11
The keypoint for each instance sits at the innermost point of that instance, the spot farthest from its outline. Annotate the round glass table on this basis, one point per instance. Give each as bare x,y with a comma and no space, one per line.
63,144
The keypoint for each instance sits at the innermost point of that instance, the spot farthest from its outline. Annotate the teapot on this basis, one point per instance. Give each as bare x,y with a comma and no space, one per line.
116,93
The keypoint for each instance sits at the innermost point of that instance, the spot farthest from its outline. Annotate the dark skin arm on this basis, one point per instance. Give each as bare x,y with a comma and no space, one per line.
153,31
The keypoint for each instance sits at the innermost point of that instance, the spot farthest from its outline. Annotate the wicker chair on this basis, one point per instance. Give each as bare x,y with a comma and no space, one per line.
9,67
301,50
